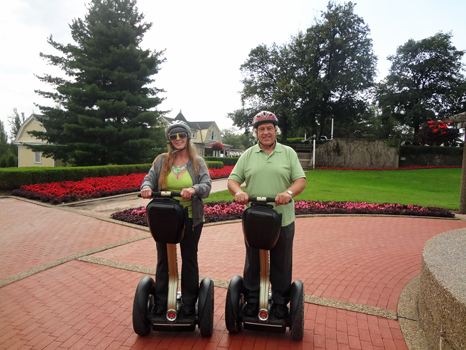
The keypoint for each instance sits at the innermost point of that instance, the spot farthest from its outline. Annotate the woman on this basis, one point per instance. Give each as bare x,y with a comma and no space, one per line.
180,170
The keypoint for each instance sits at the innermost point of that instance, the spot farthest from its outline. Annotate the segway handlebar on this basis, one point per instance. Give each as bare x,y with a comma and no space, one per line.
263,199
169,194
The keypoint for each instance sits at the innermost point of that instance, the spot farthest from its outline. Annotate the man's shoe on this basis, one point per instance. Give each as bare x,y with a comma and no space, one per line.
281,311
188,310
250,309
160,309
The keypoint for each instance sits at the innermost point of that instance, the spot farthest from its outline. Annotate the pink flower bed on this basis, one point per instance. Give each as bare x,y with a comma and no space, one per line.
225,211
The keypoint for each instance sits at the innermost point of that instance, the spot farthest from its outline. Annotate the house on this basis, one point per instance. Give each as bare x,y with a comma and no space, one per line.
204,134
26,157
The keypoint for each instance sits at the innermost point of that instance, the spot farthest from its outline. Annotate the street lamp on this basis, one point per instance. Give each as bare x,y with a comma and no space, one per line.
313,138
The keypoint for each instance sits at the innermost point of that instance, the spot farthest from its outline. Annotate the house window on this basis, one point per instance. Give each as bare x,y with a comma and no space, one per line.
37,157
212,135
194,135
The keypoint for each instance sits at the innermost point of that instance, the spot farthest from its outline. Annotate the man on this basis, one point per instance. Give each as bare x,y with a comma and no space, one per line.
269,169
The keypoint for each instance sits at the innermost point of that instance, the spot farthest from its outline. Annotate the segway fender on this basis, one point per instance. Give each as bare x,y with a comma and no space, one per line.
203,295
236,290
206,307
141,306
296,290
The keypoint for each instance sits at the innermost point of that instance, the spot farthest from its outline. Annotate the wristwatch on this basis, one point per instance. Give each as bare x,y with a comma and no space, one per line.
290,193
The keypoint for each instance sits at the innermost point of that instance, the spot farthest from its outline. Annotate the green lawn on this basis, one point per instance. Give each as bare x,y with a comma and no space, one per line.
426,187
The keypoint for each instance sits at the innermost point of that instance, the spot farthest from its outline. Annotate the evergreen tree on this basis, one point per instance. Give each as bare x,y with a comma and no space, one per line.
104,109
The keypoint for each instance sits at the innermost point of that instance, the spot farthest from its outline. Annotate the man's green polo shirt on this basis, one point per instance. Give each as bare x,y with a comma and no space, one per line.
266,176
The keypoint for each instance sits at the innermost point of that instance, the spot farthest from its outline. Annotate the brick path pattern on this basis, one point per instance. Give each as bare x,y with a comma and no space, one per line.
54,296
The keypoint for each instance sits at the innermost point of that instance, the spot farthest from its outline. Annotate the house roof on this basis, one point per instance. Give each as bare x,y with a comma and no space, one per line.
23,126
192,125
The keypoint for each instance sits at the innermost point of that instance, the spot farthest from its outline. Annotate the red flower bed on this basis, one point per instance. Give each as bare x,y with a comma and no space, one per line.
225,211
221,173
92,187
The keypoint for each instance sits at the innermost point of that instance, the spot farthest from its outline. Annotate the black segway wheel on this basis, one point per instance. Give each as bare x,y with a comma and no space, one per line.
297,310
142,305
233,305
206,307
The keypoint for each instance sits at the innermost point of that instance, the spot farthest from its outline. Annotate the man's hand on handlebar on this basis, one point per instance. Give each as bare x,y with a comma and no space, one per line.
283,198
146,193
241,197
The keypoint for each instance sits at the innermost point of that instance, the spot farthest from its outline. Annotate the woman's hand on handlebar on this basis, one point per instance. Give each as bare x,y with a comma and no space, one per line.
186,193
146,193
241,197
283,198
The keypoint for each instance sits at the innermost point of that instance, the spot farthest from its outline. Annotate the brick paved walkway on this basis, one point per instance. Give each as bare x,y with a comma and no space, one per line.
67,280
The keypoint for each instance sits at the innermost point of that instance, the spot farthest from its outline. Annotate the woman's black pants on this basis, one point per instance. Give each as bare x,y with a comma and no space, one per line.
189,267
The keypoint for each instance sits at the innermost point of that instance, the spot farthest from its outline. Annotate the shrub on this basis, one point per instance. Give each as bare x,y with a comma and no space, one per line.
214,165
224,160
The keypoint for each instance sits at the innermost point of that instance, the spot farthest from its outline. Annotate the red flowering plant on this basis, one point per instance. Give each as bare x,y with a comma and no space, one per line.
91,187
217,146
437,132
221,173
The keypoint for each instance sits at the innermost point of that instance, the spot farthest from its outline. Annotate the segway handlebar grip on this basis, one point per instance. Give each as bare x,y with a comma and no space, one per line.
169,194
264,199
261,199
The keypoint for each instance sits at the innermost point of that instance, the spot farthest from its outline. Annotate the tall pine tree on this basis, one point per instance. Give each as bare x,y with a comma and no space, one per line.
104,110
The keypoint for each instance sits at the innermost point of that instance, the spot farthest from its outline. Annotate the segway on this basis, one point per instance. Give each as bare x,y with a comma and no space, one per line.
261,229
166,218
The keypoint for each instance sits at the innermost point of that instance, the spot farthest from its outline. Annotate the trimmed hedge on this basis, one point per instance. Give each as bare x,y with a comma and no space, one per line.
214,165
418,150
11,178
224,160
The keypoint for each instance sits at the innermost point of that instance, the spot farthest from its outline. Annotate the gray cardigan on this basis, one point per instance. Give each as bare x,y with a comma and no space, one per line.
201,183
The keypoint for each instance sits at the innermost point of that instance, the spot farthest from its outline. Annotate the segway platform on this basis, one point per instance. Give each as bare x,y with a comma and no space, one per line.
166,218
261,229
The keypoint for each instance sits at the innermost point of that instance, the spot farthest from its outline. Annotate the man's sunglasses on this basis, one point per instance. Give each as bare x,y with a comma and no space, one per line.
181,135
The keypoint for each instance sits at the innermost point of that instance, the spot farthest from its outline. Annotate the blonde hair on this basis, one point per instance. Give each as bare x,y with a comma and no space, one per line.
170,158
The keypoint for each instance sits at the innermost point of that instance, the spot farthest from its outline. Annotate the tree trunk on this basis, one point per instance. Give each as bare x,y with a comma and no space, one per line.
463,184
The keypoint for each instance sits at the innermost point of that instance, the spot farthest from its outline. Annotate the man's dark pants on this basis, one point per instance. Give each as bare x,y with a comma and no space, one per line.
281,266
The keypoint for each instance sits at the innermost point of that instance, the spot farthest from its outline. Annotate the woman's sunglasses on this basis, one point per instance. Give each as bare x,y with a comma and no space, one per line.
181,135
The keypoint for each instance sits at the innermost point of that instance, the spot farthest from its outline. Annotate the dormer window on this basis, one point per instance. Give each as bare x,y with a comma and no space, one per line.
212,135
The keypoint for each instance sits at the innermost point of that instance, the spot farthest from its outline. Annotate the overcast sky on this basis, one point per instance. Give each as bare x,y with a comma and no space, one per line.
205,43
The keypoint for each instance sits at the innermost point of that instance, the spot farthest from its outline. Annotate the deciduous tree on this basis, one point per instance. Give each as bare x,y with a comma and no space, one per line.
16,120
425,81
321,74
